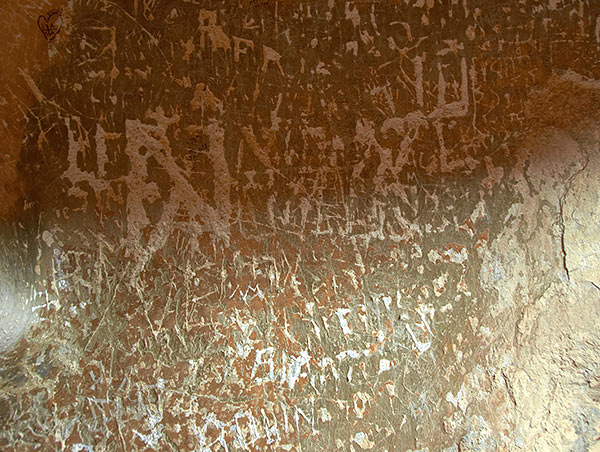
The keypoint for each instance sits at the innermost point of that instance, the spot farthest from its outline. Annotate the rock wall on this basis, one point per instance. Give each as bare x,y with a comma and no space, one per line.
264,225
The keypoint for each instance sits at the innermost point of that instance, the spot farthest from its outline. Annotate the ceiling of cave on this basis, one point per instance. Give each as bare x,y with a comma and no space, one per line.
277,225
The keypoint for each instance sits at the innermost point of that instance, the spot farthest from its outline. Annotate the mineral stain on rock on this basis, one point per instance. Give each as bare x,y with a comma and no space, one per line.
266,225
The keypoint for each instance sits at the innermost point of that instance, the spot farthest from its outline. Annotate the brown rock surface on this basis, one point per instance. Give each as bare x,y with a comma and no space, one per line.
323,225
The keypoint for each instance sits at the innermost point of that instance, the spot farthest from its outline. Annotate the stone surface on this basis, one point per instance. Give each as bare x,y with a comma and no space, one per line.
265,225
